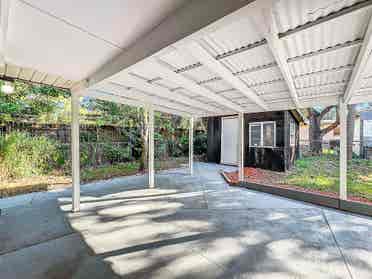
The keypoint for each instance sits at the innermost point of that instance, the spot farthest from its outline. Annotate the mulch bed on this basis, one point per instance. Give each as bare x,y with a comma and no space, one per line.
271,178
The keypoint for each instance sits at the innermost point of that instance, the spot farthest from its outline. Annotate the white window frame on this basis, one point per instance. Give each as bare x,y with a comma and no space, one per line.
292,124
367,123
261,124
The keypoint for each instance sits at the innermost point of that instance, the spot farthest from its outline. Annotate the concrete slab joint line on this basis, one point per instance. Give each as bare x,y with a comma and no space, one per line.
338,246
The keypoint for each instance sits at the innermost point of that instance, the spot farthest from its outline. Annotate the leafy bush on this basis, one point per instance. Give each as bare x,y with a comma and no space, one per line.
114,153
200,144
22,155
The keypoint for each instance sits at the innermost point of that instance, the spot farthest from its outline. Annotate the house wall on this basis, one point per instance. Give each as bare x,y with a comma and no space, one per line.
214,140
265,158
279,158
332,135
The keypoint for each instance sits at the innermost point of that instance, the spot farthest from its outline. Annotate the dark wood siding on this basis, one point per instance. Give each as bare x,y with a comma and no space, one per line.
214,140
265,158
291,152
279,158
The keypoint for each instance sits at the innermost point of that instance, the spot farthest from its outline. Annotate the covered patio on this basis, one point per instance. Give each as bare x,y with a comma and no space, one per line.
193,59
187,227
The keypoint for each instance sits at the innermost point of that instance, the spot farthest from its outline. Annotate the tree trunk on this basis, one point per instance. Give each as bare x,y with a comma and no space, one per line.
144,141
315,135
315,132
350,130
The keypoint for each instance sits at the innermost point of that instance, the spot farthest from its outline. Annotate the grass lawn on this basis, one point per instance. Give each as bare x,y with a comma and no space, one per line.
43,183
322,173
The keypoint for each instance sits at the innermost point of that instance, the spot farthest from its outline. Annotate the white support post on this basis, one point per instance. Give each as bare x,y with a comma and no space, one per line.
241,147
75,151
191,146
151,147
343,149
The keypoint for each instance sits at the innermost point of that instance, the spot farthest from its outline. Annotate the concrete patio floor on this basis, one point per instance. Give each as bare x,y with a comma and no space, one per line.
187,227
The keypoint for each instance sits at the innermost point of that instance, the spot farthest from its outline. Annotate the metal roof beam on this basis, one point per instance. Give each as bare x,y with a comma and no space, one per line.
360,64
198,52
165,72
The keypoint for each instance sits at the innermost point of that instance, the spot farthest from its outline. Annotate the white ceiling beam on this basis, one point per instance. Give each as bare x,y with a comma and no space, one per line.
361,62
106,96
203,56
132,93
183,23
165,72
4,21
141,84
307,102
277,49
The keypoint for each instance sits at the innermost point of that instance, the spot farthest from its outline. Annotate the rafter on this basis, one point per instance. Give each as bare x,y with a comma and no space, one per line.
360,64
110,97
206,15
135,94
198,52
165,72
136,82
277,49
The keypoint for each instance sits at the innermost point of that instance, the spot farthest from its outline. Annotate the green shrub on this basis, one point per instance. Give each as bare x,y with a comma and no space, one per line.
200,144
22,155
117,154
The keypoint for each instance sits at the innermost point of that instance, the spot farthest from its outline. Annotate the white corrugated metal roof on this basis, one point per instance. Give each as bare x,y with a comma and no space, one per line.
316,47
320,57
293,13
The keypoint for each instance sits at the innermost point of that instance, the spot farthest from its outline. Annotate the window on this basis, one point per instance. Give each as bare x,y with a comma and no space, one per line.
262,134
367,128
292,133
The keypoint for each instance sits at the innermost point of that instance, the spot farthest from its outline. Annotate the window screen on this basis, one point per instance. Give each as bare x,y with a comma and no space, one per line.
255,130
367,128
262,134
268,134
292,133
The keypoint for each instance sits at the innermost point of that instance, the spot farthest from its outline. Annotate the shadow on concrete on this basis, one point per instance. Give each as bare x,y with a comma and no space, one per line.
126,234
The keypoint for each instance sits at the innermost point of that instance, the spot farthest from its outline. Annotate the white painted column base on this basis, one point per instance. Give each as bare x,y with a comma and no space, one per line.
191,146
343,149
151,169
75,151
241,147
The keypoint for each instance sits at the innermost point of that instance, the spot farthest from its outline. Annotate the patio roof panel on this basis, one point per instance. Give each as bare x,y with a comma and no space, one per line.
319,41
328,34
325,77
264,75
229,37
324,61
255,57
293,13
199,74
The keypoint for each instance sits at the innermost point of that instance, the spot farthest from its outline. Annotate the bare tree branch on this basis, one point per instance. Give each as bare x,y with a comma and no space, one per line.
333,125
325,111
